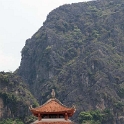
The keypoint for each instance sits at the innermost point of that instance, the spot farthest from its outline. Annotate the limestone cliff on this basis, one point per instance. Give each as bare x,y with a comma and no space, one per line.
79,51
15,98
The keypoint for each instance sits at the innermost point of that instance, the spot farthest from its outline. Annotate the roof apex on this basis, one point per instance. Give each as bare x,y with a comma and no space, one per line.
53,105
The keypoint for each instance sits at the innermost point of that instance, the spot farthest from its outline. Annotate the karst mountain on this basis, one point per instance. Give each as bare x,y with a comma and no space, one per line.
79,52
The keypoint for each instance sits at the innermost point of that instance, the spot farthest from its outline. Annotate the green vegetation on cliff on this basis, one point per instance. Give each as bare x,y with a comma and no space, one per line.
80,50
15,98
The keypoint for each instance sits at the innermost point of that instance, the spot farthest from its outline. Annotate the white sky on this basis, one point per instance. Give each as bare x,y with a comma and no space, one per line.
19,20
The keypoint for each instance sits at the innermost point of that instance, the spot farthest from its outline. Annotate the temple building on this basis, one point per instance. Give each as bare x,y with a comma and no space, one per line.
53,112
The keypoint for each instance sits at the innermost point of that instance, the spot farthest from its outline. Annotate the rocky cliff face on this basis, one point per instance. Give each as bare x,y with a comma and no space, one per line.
15,98
79,52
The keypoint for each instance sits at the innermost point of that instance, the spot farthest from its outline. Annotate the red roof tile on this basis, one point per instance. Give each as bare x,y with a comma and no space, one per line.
52,106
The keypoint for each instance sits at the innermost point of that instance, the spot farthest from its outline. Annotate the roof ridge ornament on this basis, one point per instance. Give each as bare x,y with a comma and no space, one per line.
53,93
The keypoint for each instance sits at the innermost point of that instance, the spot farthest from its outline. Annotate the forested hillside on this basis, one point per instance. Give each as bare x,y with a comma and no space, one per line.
79,52
15,99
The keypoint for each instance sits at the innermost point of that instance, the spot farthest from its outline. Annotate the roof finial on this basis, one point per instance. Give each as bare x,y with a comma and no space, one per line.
53,93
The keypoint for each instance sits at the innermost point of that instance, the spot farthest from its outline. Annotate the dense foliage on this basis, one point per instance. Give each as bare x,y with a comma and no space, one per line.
96,117
11,121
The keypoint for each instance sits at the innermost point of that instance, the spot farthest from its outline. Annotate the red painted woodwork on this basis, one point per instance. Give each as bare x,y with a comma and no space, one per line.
53,112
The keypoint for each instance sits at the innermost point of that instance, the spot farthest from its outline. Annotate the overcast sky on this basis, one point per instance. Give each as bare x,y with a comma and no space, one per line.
19,20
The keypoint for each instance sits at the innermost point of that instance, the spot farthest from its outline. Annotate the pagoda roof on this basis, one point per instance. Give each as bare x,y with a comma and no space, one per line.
53,105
